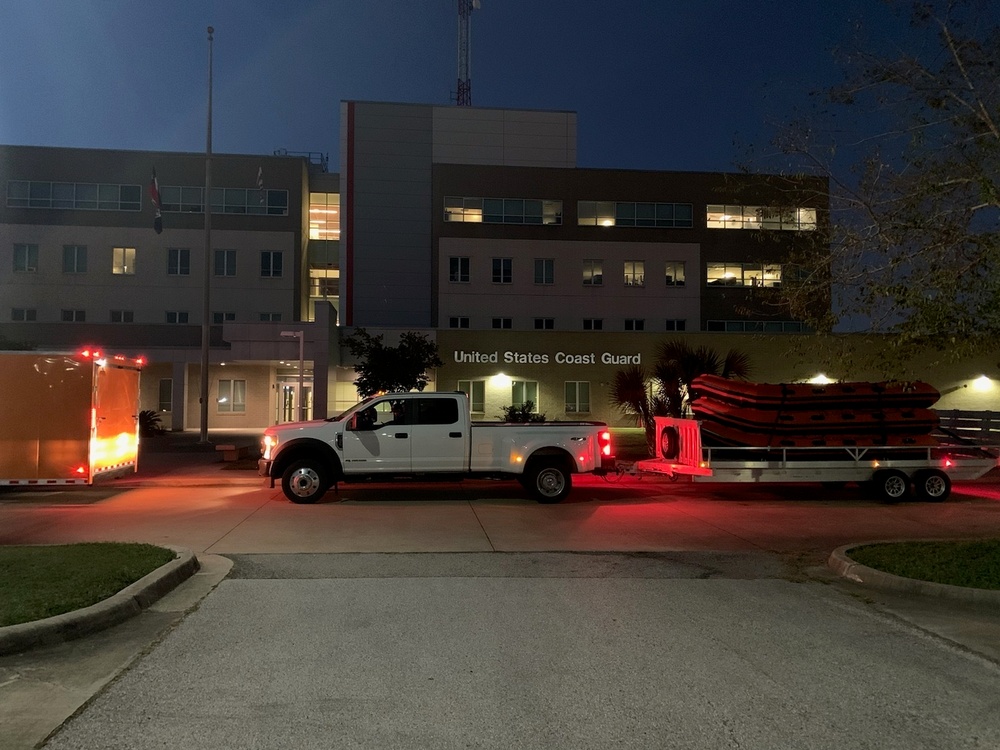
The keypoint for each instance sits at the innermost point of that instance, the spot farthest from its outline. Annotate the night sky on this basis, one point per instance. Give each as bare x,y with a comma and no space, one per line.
657,84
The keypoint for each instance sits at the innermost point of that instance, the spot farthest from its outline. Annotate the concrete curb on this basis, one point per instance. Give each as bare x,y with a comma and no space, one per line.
841,563
127,603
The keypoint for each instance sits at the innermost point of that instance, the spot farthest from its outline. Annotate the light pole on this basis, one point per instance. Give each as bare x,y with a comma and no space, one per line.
300,335
206,323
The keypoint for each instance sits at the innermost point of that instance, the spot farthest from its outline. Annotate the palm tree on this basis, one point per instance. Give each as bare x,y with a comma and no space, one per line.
665,394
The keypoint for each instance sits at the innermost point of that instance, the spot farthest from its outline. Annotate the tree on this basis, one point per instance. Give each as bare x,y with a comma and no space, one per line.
914,185
664,394
392,369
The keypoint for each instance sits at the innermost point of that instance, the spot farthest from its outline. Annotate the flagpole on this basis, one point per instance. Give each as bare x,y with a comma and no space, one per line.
206,322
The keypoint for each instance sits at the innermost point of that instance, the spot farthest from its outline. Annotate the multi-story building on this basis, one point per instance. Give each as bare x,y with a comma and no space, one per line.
538,279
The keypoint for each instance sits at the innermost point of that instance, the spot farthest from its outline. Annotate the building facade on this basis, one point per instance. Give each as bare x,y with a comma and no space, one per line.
538,280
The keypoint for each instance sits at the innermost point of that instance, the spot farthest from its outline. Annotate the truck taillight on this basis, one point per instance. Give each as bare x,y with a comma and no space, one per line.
604,440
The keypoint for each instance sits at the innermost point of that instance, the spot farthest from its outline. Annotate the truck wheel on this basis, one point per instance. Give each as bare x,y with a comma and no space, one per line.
305,481
932,485
670,443
548,482
891,485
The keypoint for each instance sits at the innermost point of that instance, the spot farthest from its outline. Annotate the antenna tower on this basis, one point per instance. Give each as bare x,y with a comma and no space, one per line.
463,97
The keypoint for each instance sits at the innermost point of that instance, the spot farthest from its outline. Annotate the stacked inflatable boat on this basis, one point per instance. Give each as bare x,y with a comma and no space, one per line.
794,415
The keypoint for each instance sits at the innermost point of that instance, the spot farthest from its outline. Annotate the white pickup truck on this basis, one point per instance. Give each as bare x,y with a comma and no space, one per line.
430,436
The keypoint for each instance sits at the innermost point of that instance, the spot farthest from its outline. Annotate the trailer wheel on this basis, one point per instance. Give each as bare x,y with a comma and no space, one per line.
305,481
548,481
670,443
932,485
891,485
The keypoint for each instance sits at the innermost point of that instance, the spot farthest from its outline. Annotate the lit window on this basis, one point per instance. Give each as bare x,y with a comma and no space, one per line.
593,273
635,274
232,396
675,273
123,261
720,216
324,216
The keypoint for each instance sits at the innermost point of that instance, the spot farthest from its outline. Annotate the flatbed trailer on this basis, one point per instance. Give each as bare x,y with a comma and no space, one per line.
891,471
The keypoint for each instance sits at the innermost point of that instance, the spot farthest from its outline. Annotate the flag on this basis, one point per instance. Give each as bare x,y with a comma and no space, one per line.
154,196
260,184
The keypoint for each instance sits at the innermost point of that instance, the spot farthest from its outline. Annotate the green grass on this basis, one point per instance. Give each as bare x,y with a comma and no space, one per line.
42,581
974,564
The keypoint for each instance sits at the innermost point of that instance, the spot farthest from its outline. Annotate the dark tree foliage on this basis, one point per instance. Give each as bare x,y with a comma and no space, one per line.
910,145
392,369
663,393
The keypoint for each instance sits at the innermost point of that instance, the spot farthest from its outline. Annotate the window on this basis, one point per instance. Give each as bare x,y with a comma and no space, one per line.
218,318
74,259
476,391
628,214
720,216
75,195
523,391
545,324
635,324
73,316
458,269
122,316
593,324
635,274
503,322
674,273
324,216
166,395
25,258
178,261
743,274
458,322
270,317
123,261
232,396
183,199
437,411
577,396
324,282
545,270
502,210
225,262
179,317
676,324
503,270
270,264
23,314
755,326
593,272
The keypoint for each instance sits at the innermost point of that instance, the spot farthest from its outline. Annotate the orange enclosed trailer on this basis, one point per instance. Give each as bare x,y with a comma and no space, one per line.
67,418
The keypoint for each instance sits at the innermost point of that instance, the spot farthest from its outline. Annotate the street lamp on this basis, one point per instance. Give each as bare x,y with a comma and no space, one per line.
300,335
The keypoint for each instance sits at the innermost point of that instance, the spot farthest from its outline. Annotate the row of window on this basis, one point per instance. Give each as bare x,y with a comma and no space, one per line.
85,196
173,317
589,324
625,214
232,398
577,393
502,271
633,272
123,261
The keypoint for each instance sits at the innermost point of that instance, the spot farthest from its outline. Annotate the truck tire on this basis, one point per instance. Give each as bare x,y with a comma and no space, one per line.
305,481
890,485
931,485
548,481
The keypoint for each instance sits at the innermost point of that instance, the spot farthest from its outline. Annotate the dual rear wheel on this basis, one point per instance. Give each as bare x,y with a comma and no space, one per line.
892,485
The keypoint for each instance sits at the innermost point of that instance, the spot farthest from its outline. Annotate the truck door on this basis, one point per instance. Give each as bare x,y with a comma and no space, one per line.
440,437
377,441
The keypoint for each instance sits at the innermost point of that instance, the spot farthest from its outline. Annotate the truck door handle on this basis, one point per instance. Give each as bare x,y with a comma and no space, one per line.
401,435
455,434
